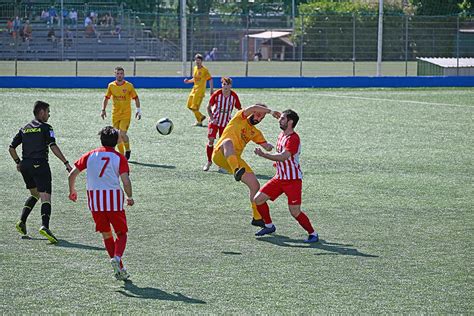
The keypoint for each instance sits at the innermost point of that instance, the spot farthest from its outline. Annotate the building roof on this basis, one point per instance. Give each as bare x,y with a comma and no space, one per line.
269,34
450,62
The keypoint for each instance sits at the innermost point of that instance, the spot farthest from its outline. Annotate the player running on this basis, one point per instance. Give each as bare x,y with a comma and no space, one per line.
227,153
105,198
201,75
220,107
122,92
288,177
35,138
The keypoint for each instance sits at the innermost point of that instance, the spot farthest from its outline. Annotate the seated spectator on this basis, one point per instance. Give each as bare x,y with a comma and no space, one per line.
73,17
207,57
258,55
27,31
213,54
45,16
117,31
87,21
52,15
92,32
68,38
52,36
16,27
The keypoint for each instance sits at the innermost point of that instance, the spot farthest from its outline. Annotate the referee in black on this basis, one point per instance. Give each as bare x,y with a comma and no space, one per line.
35,138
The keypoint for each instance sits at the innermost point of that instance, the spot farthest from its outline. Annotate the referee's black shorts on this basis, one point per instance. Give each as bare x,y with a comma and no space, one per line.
36,174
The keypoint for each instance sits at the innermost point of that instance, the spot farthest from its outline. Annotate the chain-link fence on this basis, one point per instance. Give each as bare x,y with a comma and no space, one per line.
149,44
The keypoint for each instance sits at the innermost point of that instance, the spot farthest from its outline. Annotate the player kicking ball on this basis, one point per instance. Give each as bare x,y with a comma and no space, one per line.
105,198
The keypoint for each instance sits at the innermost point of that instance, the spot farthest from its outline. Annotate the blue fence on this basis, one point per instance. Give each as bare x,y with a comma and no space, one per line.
241,82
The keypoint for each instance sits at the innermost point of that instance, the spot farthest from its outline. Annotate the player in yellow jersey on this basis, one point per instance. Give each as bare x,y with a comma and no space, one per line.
227,153
201,75
122,92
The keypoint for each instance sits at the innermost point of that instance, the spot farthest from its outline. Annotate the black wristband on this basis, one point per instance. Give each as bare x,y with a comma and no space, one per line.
17,160
66,162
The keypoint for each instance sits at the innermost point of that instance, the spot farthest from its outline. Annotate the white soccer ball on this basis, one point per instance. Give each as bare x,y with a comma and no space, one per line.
164,126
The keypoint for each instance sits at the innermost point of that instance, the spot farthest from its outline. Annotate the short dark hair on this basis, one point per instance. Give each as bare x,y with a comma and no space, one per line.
109,136
39,106
198,56
292,115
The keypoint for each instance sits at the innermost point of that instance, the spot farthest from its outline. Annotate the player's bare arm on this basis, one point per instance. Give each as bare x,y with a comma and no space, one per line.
72,182
273,157
261,108
103,114
186,80
138,114
127,187
211,85
57,152
15,157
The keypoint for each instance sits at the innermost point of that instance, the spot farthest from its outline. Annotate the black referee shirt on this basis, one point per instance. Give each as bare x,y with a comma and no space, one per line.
36,136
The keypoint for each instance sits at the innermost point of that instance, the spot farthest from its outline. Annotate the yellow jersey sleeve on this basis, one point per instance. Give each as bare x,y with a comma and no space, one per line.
258,137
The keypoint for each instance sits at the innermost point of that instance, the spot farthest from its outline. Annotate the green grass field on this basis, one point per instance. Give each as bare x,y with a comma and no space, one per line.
217,69
388,186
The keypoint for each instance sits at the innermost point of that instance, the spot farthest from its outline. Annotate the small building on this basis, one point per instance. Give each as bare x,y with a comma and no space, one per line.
271,45
445,66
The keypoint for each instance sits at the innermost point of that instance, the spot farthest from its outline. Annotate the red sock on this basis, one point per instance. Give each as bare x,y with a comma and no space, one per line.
209,150
305,223
264,211
120,244
110,246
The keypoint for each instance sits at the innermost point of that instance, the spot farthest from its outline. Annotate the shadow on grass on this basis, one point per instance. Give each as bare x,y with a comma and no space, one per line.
262,177
332,248
151,165
231,253
67,244
131,290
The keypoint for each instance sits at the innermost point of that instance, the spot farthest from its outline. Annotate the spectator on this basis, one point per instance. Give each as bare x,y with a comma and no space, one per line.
258,55
73,17
213,54
117,31
52,36
52,15
10,26
27,33
16,27
207,57
45,16
87,21
92,32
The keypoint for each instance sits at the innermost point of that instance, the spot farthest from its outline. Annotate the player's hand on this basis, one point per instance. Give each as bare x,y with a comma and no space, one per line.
276,114
130,201
138,115
186,80
103,114
73,196
258,151
68,167
267,146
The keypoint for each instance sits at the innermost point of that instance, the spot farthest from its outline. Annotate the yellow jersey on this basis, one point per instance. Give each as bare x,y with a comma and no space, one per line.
121,97
240,131
200,76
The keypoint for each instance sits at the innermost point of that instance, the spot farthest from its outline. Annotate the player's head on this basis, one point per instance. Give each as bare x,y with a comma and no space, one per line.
257,117
226,83
288,118
109,136
198,59
119,73
41,111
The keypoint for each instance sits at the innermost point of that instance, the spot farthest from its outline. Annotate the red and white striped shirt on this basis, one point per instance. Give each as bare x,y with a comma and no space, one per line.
104,166
289,169
222,106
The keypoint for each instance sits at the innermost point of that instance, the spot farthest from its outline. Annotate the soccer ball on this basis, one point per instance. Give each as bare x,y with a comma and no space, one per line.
164,126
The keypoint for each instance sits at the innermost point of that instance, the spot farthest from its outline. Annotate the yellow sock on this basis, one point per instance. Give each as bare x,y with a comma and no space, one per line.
121,148
233,162
255,212
127,146
198,115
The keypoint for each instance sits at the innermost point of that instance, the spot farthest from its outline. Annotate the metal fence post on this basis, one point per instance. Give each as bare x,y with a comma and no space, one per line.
191,38
457,46
353,45
406,45
75,44
301,46
247,44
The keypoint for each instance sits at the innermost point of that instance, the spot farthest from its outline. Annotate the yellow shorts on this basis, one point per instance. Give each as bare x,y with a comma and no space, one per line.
121,122
194,102
219,159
